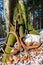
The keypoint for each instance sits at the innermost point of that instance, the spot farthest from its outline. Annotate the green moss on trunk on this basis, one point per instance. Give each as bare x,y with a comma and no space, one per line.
22,21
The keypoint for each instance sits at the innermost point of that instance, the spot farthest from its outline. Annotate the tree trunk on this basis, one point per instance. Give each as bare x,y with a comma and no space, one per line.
6,13
20,18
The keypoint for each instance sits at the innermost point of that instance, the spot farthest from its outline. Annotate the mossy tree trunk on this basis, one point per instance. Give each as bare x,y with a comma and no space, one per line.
23,26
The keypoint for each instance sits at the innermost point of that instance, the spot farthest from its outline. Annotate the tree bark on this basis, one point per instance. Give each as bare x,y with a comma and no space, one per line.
19,17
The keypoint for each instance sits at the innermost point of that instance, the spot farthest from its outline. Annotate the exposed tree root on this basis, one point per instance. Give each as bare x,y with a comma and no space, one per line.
21,43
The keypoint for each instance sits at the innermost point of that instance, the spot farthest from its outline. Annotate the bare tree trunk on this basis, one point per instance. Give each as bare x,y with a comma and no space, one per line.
6,13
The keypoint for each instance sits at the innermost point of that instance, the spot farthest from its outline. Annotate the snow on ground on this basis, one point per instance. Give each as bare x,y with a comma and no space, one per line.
31,57
32,38
41,33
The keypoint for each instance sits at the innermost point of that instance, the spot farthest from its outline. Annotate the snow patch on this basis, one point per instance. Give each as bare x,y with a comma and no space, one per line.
33,38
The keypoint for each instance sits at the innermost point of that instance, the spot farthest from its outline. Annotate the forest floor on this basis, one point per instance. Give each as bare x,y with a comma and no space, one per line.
30,57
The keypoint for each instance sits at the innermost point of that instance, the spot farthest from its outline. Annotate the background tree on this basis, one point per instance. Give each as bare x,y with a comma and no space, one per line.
35,8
